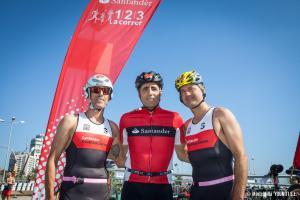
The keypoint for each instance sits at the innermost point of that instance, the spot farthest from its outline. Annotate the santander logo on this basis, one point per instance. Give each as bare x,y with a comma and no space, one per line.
104,1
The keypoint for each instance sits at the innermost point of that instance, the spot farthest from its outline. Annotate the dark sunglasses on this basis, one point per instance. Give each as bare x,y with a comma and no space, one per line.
97,90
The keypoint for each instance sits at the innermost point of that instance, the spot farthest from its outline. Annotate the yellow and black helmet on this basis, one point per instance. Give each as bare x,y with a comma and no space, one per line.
190,77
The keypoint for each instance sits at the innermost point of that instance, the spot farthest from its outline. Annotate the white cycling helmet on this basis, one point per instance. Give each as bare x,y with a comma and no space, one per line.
97,80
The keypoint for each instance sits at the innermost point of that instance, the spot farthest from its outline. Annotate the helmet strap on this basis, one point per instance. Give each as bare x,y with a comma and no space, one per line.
91,105
204,95
198,104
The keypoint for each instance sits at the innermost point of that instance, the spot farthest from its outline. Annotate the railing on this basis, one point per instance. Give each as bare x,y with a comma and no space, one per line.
181,183
21,186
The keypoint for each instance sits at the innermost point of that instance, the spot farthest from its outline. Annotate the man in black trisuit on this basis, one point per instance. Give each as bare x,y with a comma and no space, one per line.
214,144
87,138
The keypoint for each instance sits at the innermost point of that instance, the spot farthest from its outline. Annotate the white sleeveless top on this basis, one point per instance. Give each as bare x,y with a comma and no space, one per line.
85,125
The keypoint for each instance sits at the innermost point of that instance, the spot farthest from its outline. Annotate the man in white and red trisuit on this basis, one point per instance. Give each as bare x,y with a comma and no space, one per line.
214,143
87,138
148,135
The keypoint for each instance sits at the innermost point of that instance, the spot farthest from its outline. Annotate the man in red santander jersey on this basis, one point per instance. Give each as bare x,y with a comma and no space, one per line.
87,138
149,135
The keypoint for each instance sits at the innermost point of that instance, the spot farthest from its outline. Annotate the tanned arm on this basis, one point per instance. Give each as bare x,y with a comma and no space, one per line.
234,138
61,140
181,149
181,152
116,153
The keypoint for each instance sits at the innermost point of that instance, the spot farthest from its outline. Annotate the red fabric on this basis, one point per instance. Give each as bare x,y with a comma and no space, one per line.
150,153
92,141
6,193
183,130
297,155
202,140
102,43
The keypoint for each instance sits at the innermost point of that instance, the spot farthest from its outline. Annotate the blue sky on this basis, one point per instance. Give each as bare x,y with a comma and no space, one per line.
248,53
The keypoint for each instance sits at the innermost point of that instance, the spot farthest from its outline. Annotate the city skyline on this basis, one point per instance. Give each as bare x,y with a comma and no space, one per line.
25,162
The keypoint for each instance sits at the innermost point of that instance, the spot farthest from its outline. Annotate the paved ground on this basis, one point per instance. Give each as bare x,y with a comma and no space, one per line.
21,197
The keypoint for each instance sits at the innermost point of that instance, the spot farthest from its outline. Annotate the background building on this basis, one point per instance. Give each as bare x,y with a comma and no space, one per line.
25,162
21,162
36,147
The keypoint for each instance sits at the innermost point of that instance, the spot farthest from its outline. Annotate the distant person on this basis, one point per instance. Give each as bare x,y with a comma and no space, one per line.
148,135
214,143
10,181
87,138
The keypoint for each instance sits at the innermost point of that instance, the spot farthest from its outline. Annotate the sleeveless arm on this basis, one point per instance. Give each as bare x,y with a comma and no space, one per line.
62,139
115,152
180,148
234,138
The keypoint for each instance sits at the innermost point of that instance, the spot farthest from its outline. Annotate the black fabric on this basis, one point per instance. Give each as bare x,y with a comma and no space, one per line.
8,186
84,163
211,163
85,191
221,191
295,171
142,173
146,191
276,169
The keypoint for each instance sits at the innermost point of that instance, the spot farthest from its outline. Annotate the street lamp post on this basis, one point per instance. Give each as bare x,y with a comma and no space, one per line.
13,120
253,165
2,120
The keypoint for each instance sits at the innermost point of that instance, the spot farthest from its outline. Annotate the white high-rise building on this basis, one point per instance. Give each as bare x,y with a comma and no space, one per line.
25,162
21,162
36,147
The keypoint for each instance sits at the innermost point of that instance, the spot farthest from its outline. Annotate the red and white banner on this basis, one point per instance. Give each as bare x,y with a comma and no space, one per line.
297,155
102,43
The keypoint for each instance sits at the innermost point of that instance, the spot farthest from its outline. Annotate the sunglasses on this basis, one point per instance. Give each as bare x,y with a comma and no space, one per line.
97,90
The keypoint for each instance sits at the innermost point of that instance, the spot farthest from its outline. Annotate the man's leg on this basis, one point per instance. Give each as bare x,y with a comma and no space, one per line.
130,191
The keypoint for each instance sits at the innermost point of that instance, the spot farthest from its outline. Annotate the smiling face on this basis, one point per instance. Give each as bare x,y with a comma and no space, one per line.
149,94
99,96
191,95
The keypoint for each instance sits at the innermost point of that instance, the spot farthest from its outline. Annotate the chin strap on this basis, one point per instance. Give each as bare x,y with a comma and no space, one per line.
91,106
204,95
198,104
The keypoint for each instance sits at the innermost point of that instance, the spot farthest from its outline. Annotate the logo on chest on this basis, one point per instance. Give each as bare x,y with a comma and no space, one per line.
92,141
188,131
135,131
195,141
201,140
106,131
202,125
151,131
189,128
86,127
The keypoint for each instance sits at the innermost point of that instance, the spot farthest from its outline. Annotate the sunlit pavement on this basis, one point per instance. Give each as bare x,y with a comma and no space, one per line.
21,197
